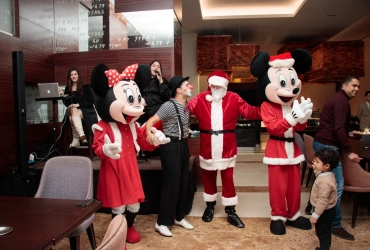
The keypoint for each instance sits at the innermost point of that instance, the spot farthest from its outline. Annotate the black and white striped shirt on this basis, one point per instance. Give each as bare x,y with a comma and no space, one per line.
167,113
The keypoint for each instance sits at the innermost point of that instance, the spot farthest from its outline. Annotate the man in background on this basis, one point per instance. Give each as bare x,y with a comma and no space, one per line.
363,112
334,128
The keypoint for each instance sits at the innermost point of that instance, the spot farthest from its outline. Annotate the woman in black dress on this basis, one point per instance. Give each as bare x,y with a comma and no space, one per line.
80,105
156,93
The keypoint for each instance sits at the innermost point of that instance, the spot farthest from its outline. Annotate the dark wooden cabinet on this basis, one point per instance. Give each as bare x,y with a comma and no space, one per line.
212,53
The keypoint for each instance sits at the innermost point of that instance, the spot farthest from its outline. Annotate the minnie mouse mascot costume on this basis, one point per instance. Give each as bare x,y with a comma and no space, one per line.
279,87
118,139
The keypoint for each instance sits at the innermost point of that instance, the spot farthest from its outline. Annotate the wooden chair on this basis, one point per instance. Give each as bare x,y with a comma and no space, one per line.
310,155
69,177
115,237
356,181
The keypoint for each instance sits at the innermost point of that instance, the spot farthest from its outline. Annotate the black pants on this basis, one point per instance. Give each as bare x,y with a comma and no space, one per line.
175,175
323,228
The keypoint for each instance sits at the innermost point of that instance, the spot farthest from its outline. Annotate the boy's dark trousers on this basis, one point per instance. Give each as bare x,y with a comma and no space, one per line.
323,228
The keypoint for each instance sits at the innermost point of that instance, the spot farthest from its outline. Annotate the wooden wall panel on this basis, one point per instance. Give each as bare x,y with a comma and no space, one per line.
140,5
34,40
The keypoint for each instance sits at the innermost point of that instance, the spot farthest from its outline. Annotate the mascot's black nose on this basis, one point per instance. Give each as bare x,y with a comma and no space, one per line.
295,91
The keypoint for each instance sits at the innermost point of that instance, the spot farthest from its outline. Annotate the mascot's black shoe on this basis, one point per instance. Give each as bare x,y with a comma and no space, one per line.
277,227
300,223
233,218
209,212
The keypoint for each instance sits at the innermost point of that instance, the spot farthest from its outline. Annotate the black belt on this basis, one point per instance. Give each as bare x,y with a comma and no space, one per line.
289,139
175,138
216,132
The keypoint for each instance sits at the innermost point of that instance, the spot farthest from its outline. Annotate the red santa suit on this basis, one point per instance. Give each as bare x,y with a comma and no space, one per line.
119,179
283,159
218,151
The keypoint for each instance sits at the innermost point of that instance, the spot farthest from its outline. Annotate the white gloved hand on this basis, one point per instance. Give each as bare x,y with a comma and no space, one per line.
307,105
159,137
299,111
110,149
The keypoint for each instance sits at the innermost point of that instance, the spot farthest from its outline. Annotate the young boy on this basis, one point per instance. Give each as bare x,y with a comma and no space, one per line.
324,194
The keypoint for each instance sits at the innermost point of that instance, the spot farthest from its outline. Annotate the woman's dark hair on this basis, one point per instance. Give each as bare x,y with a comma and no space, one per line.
79,81
328,156
150,65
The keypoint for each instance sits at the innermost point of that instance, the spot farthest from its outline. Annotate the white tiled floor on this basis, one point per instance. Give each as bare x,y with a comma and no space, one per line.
256,204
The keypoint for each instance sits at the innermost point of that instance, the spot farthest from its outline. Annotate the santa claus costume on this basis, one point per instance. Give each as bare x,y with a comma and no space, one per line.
217,112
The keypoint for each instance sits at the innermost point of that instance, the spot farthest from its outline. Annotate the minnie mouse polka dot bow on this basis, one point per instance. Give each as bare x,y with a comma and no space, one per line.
114,77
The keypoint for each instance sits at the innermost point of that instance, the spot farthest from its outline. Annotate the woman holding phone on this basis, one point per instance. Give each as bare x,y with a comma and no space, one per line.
156,93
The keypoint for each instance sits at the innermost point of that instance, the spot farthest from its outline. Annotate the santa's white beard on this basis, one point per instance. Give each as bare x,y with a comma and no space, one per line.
218,94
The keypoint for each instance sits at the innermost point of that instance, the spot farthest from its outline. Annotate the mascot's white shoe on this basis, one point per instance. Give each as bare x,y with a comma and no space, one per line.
163,230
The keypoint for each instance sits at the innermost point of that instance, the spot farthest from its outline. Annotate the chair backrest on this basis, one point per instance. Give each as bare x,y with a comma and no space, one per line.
308,143
299,141
354,175
67,177
115,237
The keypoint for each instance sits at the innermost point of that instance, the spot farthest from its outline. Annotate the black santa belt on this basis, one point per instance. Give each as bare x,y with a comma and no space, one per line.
287,139
216,132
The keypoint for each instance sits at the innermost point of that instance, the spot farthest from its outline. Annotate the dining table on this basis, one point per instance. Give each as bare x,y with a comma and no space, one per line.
40,223
361,148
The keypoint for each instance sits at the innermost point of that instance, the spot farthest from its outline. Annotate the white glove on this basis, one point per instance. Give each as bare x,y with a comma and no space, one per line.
110,149
299,111
308,105
159,137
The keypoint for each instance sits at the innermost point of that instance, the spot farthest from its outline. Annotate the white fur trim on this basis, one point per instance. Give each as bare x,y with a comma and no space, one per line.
278,218
209,98
117,134
218,81
96,127
294,217
283,161
278,63
133,208
134,136
217,141
118,210
221,164
209,197
289,118
229,201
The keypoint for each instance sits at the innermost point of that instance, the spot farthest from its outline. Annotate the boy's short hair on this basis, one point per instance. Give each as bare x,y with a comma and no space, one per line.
328,156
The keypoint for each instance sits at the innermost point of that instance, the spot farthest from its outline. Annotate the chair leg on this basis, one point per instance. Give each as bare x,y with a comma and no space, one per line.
304,166
74,242
355,208
310,171
90,232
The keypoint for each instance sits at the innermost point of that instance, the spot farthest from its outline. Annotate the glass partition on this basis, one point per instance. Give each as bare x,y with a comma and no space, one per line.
88,25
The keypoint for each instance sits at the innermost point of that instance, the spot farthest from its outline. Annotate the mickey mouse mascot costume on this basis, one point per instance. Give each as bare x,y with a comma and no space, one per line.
279,87
118,139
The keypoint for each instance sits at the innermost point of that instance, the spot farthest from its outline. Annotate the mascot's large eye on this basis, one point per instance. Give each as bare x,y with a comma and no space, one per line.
130,96
282,80
138,95
293,78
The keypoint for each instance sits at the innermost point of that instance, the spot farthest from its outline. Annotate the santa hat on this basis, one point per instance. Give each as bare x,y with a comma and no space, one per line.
217,78
282,60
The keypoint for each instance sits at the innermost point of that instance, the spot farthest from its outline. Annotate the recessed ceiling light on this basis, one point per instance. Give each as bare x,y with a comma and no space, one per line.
235,9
